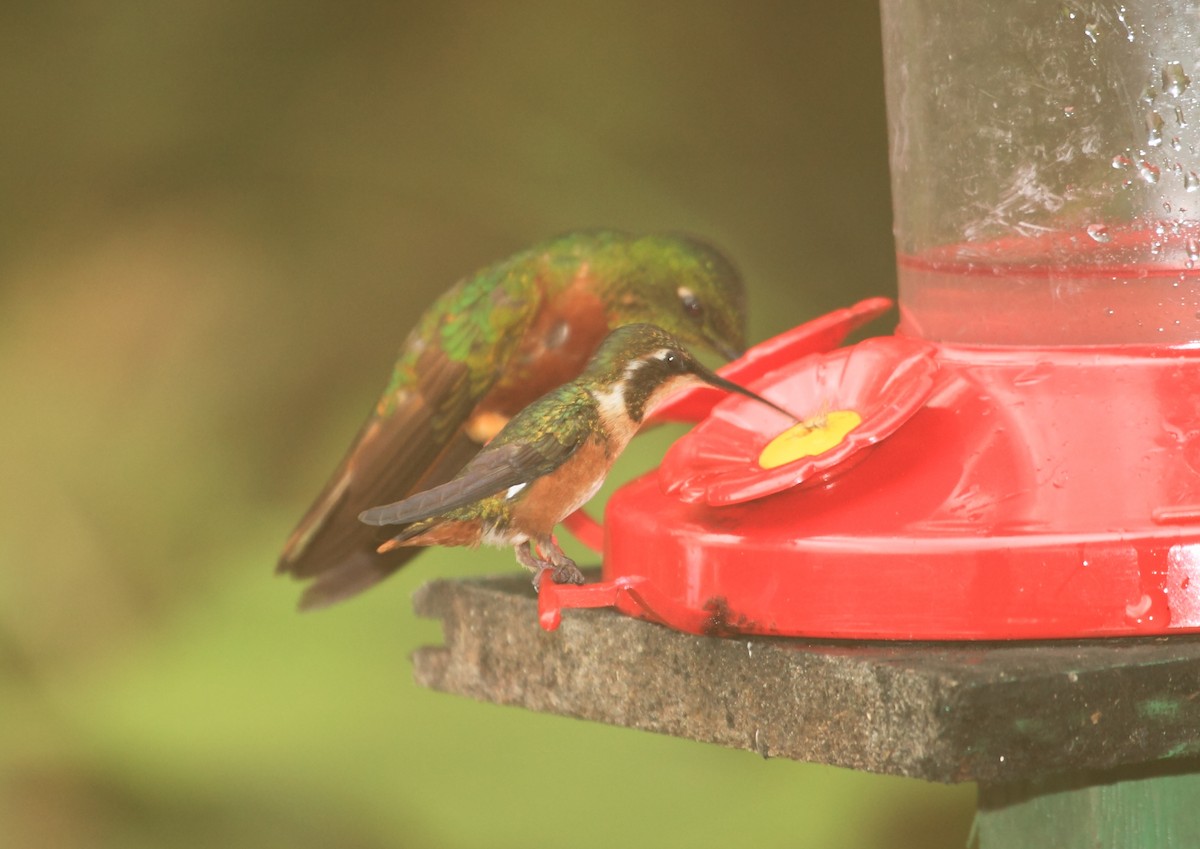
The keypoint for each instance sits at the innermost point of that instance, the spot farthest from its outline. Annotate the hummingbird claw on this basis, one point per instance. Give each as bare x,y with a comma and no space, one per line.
562,569
567,573
565,570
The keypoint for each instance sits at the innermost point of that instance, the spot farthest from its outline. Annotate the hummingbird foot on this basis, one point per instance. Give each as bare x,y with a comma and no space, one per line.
562,569
533,563
565,570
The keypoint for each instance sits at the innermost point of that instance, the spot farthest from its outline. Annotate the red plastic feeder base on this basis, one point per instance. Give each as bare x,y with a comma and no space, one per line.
1032,493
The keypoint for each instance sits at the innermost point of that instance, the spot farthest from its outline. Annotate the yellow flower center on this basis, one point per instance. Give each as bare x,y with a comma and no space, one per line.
809,438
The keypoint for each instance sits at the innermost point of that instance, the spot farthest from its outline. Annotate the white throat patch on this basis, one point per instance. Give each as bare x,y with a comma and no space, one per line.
611,402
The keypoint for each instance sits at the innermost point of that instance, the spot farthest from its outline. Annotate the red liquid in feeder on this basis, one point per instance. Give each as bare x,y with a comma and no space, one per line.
1092,287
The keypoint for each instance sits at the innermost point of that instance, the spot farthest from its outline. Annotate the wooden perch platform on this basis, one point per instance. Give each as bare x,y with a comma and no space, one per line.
996,713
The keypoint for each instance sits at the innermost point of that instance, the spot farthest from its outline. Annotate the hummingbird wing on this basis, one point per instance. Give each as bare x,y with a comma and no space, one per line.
414,438
493,470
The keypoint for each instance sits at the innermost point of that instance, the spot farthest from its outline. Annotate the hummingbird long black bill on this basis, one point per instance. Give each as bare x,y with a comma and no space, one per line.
716,380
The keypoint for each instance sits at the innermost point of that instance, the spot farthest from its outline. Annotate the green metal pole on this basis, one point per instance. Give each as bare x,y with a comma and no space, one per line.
1127,809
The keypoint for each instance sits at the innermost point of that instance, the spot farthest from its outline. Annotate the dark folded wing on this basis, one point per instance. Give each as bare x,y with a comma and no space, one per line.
493,470
390,456
417,442
358,566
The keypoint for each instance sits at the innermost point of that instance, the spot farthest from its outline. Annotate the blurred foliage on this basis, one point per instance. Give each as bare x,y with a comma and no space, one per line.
217,221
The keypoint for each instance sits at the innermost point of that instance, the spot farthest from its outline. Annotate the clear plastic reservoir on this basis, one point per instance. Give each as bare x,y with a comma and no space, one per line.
1045,162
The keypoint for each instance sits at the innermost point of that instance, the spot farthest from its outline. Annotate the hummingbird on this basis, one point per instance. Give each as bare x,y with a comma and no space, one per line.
552,456
484,350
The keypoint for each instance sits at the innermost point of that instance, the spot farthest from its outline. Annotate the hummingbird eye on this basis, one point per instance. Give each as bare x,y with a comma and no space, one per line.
690,302
674,362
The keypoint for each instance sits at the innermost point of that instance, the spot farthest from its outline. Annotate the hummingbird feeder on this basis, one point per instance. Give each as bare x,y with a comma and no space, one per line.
1022,458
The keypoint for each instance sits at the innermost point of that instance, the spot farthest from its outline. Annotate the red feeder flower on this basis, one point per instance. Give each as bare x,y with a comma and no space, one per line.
849,400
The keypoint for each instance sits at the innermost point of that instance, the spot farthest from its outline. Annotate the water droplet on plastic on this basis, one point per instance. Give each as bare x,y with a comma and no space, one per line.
1175,143
1138,609
1090,31
1174,80
1098,232
1120,161
1149,93
1124,23
1179,118
1191,181
1111,311
1154,125
1069,111
1193,248
1149,173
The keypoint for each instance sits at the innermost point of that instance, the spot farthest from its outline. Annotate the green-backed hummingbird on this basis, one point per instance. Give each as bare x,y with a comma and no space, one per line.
483,351
552,456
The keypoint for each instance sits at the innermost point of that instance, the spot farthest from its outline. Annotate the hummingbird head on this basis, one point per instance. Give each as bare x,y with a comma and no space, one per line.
640,365
680,283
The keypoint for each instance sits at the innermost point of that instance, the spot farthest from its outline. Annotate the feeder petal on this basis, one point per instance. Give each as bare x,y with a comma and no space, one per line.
852,398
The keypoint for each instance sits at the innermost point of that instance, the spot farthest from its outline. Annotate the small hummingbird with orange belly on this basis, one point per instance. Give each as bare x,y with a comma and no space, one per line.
483,351
552,457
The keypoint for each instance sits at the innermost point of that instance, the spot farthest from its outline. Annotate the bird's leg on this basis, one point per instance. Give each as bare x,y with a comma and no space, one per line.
565,570
532,562
562,569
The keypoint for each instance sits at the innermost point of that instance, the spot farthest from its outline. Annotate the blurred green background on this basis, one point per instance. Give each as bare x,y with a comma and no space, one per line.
217,221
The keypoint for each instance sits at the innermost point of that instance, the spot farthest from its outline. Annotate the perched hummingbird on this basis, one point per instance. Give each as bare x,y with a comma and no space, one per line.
484,350
552,456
